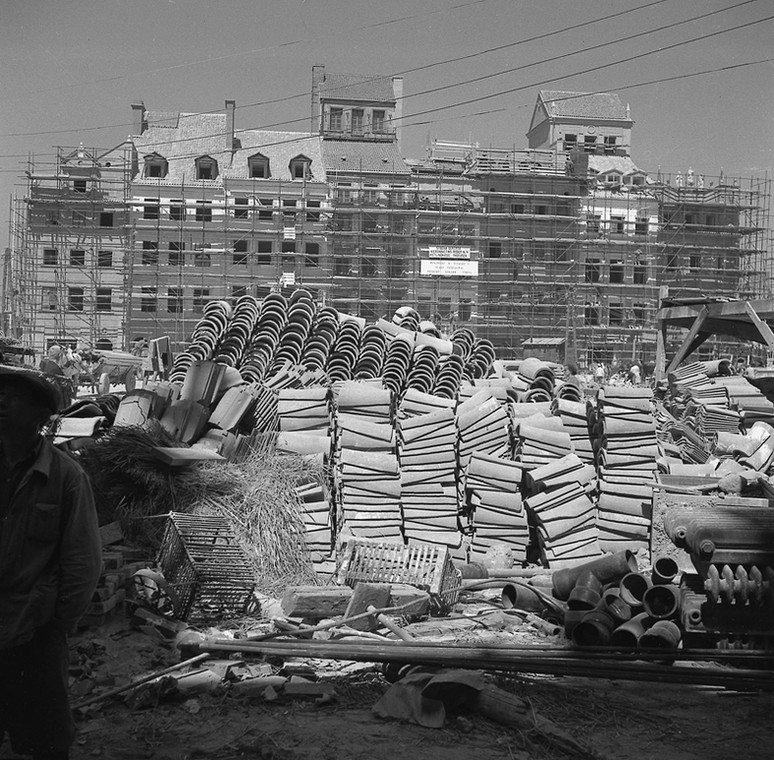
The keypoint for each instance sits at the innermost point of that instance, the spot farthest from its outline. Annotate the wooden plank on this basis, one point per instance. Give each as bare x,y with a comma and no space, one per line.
763,328
683,351
180,457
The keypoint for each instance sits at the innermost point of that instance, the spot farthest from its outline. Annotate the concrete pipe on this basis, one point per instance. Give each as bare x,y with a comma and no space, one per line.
662,602
611,567
664,571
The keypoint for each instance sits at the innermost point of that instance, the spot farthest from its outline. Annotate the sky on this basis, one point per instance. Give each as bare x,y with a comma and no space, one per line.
701,92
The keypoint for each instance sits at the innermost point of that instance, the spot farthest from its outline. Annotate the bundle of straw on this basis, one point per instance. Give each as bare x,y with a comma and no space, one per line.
257,496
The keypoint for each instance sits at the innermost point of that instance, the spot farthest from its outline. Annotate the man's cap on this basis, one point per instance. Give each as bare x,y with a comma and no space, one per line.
47,393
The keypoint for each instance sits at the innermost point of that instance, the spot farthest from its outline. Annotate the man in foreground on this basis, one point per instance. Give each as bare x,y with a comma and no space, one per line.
50,562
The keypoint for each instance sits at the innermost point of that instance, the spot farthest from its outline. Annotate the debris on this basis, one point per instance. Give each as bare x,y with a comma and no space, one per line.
314,603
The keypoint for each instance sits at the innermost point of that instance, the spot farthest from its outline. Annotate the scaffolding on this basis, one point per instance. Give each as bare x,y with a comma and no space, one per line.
514,244
68,237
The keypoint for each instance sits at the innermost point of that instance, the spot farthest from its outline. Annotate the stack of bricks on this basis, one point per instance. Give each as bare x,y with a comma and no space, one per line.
119,564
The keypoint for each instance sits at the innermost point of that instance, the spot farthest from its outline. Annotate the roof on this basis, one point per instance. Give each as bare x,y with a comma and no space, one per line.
363,156
338,86
192,136
583,105
279,148
182,138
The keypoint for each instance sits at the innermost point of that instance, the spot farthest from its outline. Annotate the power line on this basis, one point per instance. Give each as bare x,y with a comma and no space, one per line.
424,67
509,91
278,46
661,80
582,50
512,90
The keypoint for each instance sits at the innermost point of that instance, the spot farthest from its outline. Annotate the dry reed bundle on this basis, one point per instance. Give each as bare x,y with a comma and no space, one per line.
256,496
265,514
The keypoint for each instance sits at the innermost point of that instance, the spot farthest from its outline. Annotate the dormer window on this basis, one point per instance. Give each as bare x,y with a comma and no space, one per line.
357,121
300,167
258,166
206,168
378,121
336,119
155,166
79,185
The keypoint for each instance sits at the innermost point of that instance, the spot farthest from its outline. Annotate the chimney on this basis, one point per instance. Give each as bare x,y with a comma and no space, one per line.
230,136
318,77
397,91
139,124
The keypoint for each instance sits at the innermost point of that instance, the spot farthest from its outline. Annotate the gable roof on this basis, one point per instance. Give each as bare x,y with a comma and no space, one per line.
356,156
583,105
337,86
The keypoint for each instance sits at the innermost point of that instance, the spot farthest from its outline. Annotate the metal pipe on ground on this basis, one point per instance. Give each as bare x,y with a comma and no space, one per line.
505,659
611,567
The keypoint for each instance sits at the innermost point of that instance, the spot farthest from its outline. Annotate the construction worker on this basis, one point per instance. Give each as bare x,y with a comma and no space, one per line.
50,562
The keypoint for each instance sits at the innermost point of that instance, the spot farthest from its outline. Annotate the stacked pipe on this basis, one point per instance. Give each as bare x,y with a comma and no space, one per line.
611,603
494,506
428,466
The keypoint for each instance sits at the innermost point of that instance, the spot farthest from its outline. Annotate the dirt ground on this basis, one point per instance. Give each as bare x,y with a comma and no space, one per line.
612,719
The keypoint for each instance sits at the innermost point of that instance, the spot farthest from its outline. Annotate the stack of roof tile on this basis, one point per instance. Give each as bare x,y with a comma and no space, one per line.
628,450
483,426
574,417
367,473
368,489
316,515
494,504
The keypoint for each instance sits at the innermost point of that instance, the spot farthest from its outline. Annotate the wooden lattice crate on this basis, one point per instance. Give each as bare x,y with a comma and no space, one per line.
202,561
425,566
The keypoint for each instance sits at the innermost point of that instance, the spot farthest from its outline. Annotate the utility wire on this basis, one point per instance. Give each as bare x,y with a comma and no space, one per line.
404,119
562,56
278,46
476,54
525,105
648,83
592,69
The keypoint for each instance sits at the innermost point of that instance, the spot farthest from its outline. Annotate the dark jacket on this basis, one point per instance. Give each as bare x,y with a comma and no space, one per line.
50,549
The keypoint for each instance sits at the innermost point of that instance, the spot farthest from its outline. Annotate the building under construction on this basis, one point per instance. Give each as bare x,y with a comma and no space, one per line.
562,249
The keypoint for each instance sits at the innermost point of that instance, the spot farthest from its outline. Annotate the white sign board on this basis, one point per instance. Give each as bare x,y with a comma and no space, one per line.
448,268
449,252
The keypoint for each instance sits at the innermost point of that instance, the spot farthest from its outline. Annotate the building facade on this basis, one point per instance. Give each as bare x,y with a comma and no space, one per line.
565,244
